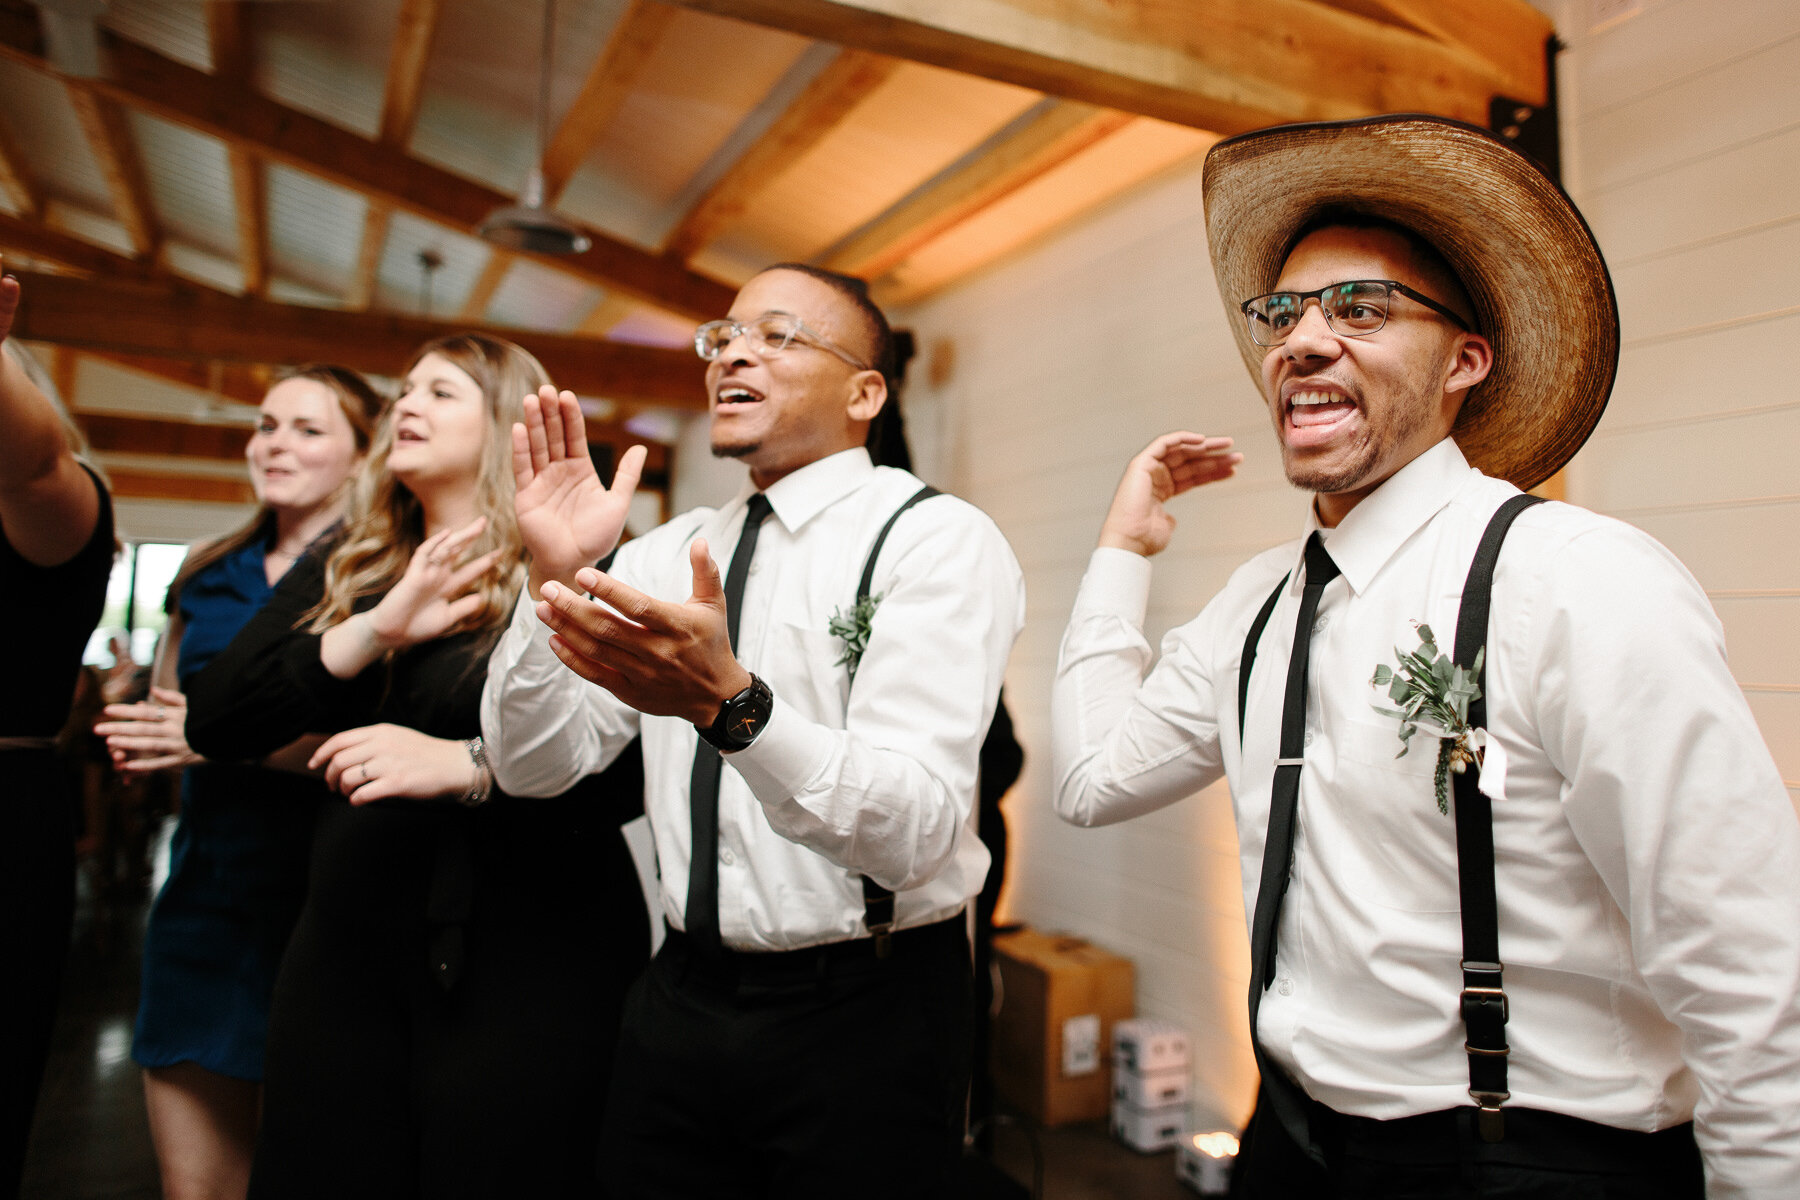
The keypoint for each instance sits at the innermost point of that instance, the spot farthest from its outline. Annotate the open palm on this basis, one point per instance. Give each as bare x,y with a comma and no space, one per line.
567,518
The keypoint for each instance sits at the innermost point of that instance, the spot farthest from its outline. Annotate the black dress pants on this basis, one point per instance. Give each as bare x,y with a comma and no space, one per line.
37,896
806,1075
1438,1156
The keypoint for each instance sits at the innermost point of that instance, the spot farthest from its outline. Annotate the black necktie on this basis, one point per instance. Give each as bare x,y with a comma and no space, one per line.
1278,848
702,913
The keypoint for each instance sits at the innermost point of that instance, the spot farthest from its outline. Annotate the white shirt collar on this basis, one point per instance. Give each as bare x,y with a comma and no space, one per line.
1376,528
803,494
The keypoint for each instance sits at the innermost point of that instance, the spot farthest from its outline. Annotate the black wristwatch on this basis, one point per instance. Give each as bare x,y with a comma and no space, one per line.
740,718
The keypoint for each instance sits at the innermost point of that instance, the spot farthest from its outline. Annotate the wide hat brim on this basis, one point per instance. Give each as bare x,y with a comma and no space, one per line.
1540,288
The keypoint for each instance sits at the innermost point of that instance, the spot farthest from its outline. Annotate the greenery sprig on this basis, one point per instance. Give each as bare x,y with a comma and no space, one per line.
1433,693
854,629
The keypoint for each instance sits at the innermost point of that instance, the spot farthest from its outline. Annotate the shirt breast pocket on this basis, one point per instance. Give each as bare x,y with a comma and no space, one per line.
1392,845
801,667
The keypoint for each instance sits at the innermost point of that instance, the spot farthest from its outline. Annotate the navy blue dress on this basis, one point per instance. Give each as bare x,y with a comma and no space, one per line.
237,869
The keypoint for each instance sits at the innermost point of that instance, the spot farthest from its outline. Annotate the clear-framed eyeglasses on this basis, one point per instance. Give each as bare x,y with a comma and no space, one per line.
770,333
1354,308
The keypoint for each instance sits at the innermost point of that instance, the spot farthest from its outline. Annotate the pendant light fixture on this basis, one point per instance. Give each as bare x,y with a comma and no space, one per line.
528,226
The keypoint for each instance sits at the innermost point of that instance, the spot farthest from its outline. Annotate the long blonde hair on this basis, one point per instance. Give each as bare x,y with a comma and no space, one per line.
361,406
387,522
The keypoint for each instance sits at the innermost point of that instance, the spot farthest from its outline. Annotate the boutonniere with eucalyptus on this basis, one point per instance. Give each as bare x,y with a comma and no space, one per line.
1434,695
853,629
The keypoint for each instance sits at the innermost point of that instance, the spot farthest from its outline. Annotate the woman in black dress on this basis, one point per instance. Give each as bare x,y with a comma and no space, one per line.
56,551
444,1019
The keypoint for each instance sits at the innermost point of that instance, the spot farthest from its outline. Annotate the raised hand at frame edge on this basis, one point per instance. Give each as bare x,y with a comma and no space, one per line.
1172,464
567,518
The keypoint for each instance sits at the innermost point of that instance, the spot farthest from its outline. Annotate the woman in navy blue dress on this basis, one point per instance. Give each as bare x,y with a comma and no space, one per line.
237,864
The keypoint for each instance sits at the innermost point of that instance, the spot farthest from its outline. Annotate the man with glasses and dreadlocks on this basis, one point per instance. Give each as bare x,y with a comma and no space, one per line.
810,730
1522,880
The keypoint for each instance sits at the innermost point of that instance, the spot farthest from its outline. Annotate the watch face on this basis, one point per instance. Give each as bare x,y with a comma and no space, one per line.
743,716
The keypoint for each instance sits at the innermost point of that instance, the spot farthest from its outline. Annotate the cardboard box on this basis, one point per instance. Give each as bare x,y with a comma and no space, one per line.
1146,1045
1060,998
1155,1089
1148,1129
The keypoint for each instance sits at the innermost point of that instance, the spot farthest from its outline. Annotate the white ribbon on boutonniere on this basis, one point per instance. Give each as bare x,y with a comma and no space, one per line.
1434,695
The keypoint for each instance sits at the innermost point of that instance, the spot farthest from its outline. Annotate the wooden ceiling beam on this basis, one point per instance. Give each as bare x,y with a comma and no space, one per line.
112,434
146,80
244,383
41,242
109,136
411,50
15,179
368,256
176,321
228,35
249,191
481,294
1219,65
825,102
405,87
132,483
634,39
228,32
1048,136
1509,34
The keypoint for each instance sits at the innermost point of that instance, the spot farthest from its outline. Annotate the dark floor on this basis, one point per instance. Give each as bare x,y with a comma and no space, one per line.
91,1141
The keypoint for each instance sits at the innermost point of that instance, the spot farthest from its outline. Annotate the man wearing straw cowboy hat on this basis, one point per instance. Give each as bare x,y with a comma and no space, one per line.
1525,910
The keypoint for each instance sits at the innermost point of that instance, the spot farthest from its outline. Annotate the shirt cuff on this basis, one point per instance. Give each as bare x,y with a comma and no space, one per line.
784,758
1117,582
525,647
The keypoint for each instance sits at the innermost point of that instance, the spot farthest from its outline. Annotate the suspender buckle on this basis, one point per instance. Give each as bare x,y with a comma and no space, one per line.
883,937
1483,1003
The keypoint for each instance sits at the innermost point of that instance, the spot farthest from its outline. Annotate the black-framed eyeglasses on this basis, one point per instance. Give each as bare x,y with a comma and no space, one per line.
770,333
1354,308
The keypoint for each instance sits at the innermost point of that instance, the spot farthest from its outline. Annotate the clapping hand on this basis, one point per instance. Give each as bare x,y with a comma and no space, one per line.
433,597
1172,464
150,735
661,658
567,519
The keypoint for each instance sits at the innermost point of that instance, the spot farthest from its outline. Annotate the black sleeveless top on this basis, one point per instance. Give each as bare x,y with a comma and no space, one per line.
48,614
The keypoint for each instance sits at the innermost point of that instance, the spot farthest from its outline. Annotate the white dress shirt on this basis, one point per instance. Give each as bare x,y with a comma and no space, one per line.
1647,855
876,779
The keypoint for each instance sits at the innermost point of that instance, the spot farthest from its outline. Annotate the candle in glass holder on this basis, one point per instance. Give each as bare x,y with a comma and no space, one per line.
1205,1162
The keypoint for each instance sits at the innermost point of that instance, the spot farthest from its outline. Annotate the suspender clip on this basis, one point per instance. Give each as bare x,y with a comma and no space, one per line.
1490,1122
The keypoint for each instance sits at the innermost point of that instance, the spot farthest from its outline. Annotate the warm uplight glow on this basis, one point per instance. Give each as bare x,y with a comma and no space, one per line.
1216,1145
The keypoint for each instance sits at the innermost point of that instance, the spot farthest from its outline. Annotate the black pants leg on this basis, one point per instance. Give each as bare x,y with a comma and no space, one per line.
850,1080
37,898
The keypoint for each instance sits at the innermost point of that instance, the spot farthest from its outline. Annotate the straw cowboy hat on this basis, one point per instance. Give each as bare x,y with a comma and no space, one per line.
1539,286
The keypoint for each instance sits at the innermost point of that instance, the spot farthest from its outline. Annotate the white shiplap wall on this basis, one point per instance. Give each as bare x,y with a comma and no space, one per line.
1685,129
1057,365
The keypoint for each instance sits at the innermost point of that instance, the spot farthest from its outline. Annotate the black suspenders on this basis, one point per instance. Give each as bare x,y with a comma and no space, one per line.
878,902
1483,1002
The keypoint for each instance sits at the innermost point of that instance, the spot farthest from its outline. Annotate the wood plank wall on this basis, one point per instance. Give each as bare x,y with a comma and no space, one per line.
1685,130
1053,368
